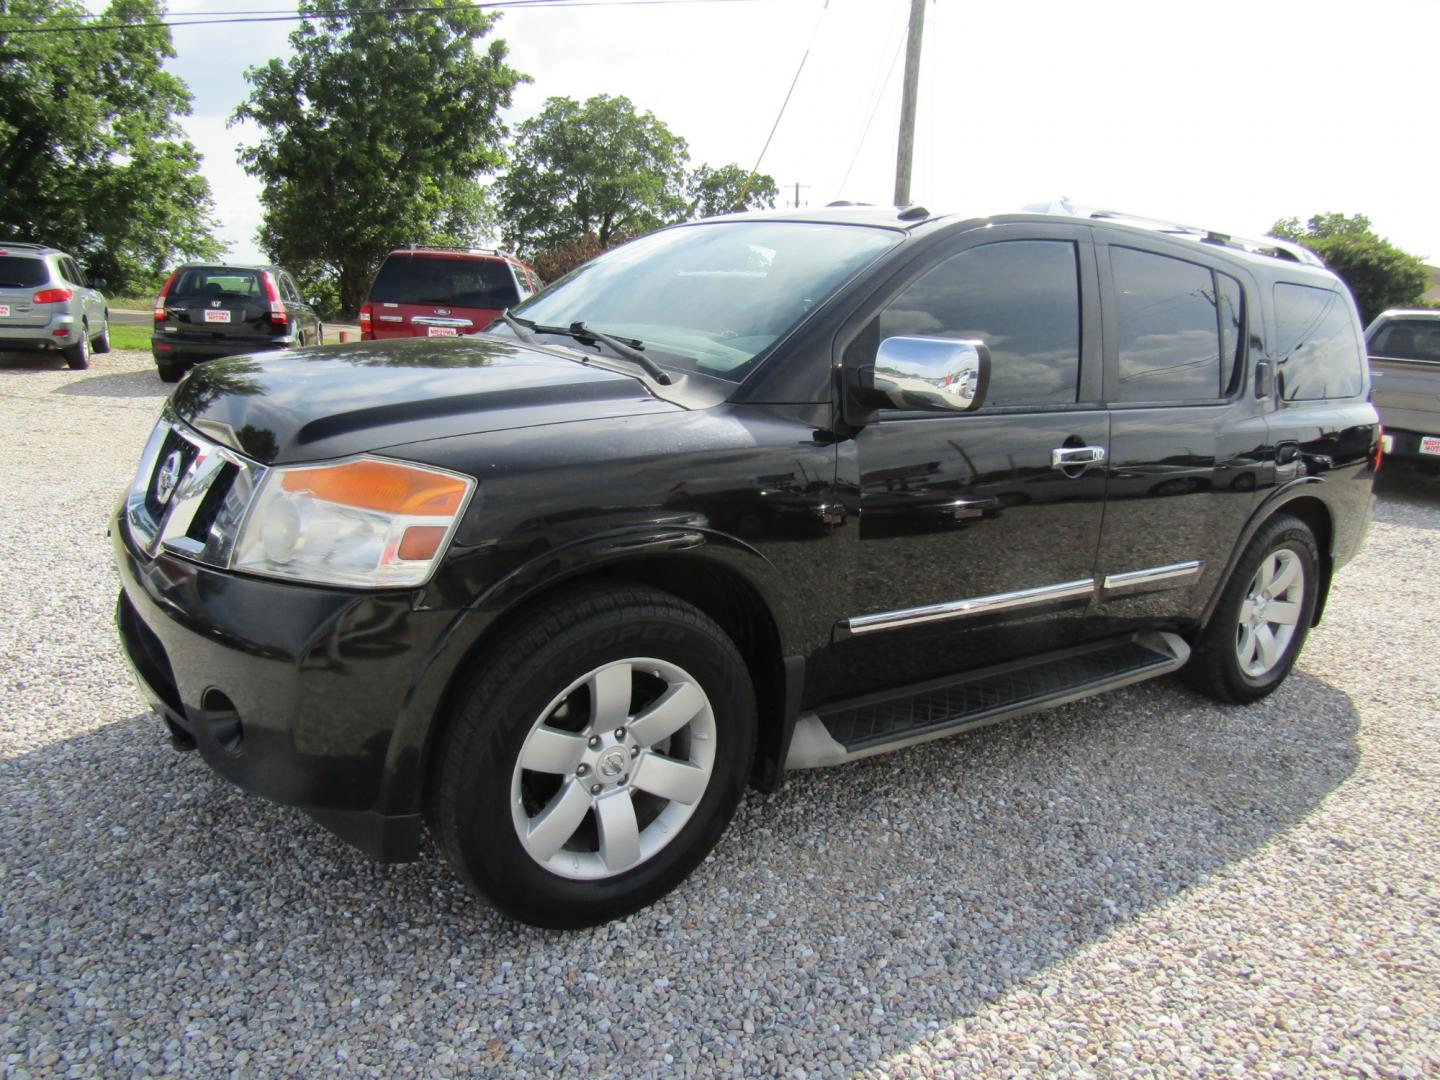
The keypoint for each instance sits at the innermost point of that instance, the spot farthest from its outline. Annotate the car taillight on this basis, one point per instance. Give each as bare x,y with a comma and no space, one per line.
278,315
164,292
367,321
53,296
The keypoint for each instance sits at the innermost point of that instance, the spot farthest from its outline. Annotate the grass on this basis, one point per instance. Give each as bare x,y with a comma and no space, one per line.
138,303
130,337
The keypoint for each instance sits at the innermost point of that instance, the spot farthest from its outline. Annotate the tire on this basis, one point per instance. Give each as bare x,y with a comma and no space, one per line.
170,370
1251,641
78,355
101,343
661,792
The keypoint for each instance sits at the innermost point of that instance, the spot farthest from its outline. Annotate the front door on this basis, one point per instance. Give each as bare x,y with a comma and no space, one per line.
975,544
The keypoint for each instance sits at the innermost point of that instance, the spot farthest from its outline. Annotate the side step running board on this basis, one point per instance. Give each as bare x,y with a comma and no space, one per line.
862,727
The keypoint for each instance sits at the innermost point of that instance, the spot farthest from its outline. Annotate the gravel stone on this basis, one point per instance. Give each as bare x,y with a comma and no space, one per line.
1141,884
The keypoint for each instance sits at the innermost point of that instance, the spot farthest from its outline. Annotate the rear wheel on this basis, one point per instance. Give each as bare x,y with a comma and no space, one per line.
102,341
170,370
595,758
78,355
1264,615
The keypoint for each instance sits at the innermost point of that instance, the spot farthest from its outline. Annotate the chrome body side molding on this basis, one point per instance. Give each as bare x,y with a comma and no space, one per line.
1174,576
977,605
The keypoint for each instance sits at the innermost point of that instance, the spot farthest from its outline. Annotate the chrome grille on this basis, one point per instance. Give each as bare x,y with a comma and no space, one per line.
201,514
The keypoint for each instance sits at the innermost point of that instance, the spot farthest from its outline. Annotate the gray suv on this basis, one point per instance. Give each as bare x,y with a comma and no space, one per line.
46,302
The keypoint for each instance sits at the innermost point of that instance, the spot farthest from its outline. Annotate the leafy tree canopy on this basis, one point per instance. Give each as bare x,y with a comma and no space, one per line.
1378,273
595,167
375,134
728,189
92,157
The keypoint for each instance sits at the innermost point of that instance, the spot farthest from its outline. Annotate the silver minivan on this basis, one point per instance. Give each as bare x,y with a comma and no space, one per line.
46,302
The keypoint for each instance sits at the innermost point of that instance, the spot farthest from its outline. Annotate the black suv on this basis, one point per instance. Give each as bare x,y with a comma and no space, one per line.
761,492
206,310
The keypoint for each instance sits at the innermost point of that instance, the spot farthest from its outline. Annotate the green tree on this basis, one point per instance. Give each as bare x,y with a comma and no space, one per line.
728,189
1378,273
376,133
596,167
92,157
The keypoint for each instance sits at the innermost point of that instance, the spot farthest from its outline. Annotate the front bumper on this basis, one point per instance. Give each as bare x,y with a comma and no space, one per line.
288,691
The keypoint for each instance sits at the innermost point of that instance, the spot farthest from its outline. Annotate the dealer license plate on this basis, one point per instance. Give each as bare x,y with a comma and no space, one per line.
1430,444
441,331
216,316
4,311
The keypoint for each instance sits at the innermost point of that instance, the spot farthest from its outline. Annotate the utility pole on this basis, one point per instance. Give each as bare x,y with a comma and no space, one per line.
798,186
906,150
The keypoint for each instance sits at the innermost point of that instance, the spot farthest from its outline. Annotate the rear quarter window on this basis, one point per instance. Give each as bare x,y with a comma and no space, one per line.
1319,344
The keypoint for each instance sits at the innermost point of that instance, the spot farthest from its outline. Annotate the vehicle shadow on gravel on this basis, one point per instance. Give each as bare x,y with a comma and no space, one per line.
31,361
859,909
127,384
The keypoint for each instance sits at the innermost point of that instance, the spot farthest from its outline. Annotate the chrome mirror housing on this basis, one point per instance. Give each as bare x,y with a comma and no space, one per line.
930,374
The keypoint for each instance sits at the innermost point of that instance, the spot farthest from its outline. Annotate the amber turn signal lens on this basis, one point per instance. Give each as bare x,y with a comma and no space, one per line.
382,486
421,542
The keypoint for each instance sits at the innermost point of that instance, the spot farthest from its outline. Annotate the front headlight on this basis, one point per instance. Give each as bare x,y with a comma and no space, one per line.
366,522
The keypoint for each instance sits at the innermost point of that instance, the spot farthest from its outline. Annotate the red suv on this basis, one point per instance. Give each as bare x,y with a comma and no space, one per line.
421,292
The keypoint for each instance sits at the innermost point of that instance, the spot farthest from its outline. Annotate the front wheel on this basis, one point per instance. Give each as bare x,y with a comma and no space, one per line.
595,758
1256,632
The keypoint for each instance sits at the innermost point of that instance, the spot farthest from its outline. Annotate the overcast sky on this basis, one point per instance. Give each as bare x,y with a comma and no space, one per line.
1224,114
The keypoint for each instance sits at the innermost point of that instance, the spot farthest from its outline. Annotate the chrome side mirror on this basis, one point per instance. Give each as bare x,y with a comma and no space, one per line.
925,374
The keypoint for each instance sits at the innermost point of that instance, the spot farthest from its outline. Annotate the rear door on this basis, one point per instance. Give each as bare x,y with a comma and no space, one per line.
215,304
1187,436
440,294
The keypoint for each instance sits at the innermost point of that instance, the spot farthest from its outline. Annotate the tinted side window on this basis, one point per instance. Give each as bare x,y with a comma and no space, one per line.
1318,345
1167,330
1020,297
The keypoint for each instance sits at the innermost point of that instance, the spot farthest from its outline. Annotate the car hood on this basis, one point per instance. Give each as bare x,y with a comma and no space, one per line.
337,400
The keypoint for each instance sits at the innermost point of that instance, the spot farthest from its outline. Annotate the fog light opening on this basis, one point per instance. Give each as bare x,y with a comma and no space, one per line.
220,715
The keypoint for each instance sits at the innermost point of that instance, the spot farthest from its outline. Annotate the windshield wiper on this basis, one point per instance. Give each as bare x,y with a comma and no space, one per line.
628,348
520,329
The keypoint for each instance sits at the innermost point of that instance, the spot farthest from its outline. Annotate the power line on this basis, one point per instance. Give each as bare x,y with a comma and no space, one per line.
776,126
343,15
860,145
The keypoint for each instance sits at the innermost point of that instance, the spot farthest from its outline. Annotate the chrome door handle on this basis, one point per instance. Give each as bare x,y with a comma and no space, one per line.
1066,456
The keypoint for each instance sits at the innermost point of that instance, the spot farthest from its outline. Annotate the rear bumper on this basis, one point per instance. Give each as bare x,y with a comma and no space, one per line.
290,692
58,333
1405,445
178,346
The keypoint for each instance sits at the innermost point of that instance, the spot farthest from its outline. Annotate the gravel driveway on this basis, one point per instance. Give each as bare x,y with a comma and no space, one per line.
1144,883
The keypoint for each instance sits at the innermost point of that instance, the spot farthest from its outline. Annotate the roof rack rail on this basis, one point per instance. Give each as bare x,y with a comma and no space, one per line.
24,244
1269,245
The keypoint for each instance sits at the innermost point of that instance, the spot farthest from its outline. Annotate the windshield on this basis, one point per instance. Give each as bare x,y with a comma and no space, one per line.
1414,339
438,279
710,297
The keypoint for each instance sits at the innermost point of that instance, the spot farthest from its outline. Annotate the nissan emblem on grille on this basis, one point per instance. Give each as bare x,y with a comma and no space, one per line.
168,477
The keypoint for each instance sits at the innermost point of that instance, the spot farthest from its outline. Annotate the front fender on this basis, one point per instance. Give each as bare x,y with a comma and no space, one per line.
445,662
